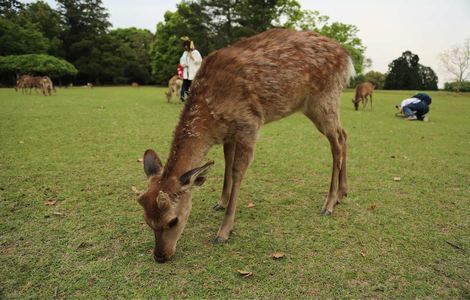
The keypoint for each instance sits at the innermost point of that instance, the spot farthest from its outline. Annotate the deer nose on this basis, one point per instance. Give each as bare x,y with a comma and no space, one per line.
159,259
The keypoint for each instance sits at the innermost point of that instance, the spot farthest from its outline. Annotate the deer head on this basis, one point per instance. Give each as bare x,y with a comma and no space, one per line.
356,103
167,203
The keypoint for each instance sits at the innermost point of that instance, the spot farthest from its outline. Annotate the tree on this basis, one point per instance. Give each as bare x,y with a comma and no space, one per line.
376,78
428,78
406,73
231,20
456,61
10,8
47,21
403,73
36,64
86,42
454,86
16,39
135,51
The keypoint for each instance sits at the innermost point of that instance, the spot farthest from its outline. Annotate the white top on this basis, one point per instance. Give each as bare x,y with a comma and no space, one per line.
409,101
190,63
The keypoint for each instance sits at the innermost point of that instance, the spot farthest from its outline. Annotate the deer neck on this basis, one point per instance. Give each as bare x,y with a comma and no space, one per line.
191,142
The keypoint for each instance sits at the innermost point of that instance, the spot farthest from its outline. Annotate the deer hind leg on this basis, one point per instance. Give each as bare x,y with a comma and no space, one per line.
370,101
229,154
244,151
325,117
364,102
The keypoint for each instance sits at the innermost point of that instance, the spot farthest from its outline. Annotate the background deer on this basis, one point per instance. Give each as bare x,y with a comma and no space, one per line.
174,86
258,80
363,90
44,83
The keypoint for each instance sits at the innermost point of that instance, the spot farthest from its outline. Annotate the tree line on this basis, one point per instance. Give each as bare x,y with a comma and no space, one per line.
79,32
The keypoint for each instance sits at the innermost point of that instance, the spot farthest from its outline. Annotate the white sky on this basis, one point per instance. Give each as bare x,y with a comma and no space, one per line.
387,27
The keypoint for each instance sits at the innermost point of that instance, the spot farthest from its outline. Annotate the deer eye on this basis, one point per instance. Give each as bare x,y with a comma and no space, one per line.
173,222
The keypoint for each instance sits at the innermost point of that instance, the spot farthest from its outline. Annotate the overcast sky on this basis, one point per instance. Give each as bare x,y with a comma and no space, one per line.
387,27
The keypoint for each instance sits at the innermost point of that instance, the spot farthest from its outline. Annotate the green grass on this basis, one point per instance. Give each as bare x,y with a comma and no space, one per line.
390,239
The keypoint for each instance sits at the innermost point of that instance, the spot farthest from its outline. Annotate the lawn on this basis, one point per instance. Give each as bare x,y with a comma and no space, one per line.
71,228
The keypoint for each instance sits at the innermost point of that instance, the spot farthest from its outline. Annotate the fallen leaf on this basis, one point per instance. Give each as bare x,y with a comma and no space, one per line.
372,207
205,242
56,213
140,160
250,205
277,255
50,202
245,273
396,178
363,253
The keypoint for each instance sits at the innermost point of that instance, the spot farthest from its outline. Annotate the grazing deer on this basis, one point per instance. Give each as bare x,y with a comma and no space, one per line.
257,80
47,86
363,90
174,86
29,82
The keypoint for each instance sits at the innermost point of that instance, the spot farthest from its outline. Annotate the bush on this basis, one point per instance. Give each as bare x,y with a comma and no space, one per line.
453,86
36,64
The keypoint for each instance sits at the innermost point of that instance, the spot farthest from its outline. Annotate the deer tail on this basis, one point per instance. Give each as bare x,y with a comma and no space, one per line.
350,71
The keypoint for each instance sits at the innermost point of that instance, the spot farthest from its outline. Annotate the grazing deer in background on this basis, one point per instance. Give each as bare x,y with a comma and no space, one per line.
363,90
238,89
174,86
44,83
47,86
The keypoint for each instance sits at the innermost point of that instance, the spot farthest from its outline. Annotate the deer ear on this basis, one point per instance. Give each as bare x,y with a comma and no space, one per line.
152,164
195,176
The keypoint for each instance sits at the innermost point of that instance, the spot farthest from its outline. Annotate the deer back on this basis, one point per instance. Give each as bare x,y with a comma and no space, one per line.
269,76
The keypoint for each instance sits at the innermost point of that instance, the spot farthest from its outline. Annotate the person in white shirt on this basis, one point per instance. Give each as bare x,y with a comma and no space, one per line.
190,61
415,108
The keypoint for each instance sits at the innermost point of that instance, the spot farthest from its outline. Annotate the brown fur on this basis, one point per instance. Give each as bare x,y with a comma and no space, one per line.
174,87
238,89
363,91
44,83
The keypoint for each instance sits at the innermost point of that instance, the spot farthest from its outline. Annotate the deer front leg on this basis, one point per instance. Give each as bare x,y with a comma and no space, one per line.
337,147
229,152
242,158
343,179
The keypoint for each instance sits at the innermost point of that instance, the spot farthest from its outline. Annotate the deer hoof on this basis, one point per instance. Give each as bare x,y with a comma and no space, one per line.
218,207
324,212
219,240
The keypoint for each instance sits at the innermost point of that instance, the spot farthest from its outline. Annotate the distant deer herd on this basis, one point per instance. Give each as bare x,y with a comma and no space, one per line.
27,82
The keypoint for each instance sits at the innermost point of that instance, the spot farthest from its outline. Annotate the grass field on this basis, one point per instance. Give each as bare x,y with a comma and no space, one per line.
390,239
